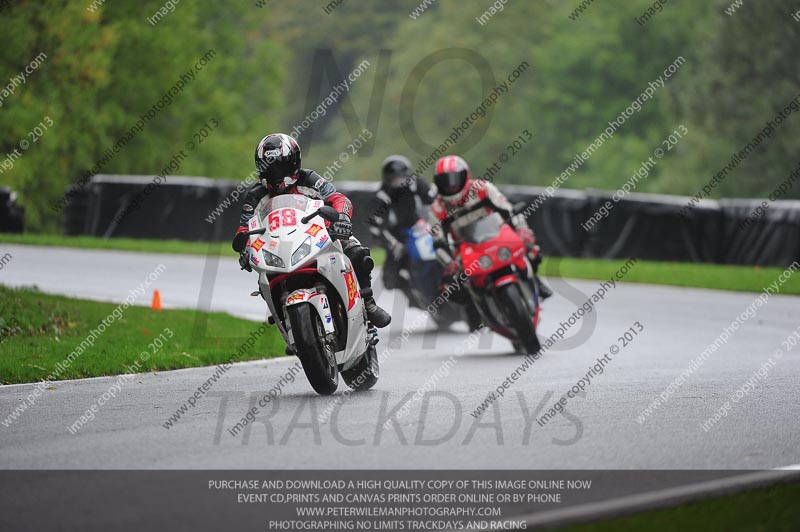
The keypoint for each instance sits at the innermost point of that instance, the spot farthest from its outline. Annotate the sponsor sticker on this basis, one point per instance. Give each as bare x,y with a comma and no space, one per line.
322,241
258,244
299,296
352,289
314,229
254,260
273,244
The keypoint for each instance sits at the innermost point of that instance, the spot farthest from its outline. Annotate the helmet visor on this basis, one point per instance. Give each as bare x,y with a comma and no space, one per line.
277,170
398,181
450,183
394,171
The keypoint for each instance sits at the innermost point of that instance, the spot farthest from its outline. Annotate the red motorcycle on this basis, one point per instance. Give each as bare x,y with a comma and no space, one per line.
500,279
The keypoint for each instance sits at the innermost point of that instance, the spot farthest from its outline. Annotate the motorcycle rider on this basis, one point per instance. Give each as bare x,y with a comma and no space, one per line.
458,202
404,197
277,160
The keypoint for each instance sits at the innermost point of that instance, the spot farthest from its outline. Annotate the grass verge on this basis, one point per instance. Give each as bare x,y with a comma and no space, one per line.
713,276
774,509
39,331
180,247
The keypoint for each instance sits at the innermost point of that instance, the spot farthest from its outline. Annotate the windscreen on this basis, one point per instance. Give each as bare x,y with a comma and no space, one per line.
292,201
482,229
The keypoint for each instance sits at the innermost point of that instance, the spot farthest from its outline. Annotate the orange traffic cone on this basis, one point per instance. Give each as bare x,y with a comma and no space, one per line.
156,305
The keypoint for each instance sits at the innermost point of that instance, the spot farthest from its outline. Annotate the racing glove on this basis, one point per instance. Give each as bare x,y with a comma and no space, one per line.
342,228
527,237
244,261
452,269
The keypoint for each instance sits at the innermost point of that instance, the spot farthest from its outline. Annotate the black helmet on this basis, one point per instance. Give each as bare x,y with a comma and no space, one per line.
277,161
395,171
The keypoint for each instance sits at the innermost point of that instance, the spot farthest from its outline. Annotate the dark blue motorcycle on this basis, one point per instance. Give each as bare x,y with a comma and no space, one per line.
423,275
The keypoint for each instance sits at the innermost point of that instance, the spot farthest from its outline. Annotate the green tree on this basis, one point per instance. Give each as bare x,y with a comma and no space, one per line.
106,67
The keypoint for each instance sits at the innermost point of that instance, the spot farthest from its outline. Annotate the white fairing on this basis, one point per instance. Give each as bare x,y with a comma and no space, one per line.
272,254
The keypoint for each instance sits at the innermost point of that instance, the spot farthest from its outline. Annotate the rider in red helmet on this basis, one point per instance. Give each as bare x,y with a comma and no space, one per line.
459,198
277,160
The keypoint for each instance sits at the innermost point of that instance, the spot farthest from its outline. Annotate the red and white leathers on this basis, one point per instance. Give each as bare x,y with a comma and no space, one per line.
478,199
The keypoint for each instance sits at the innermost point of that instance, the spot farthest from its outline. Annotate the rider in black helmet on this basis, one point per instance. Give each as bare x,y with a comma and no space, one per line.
278,163
404,198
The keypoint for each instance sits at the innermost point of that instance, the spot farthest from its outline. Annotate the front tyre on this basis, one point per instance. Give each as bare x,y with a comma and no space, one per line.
364,375
317,357
519,317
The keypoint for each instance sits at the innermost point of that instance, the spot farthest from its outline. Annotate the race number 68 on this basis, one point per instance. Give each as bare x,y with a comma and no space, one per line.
283,217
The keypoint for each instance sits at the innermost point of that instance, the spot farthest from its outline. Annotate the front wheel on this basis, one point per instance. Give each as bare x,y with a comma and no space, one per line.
317,357
519,317
364,375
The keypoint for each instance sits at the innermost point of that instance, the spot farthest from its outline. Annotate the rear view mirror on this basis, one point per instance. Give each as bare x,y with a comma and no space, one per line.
329,213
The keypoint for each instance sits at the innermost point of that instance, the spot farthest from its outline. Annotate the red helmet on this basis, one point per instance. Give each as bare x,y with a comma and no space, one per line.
452,178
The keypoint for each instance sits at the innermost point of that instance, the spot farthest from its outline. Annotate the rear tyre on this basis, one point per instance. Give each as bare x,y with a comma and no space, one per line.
317,357
364,375
519,317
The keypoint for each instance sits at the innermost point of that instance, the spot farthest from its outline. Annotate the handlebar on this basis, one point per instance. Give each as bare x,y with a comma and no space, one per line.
240,240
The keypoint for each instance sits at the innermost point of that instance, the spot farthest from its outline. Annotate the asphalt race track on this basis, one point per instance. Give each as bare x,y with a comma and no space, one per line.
597,431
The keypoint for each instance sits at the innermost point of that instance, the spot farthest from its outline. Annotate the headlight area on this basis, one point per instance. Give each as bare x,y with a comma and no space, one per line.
485,262
504,254
273,260
301,252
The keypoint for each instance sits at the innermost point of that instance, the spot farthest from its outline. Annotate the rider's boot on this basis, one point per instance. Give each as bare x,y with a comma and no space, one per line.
544,290
377,316
536,259
474,319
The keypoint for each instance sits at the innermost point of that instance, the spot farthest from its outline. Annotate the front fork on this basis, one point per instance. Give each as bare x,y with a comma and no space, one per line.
315,297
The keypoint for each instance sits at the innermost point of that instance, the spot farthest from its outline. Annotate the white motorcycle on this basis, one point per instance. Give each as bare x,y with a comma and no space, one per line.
312,291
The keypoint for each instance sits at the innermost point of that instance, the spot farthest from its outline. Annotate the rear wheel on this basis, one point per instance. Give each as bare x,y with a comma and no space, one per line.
364,375
317,357
519,317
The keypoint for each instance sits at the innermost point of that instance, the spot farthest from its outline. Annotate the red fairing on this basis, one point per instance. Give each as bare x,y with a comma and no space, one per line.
471,253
